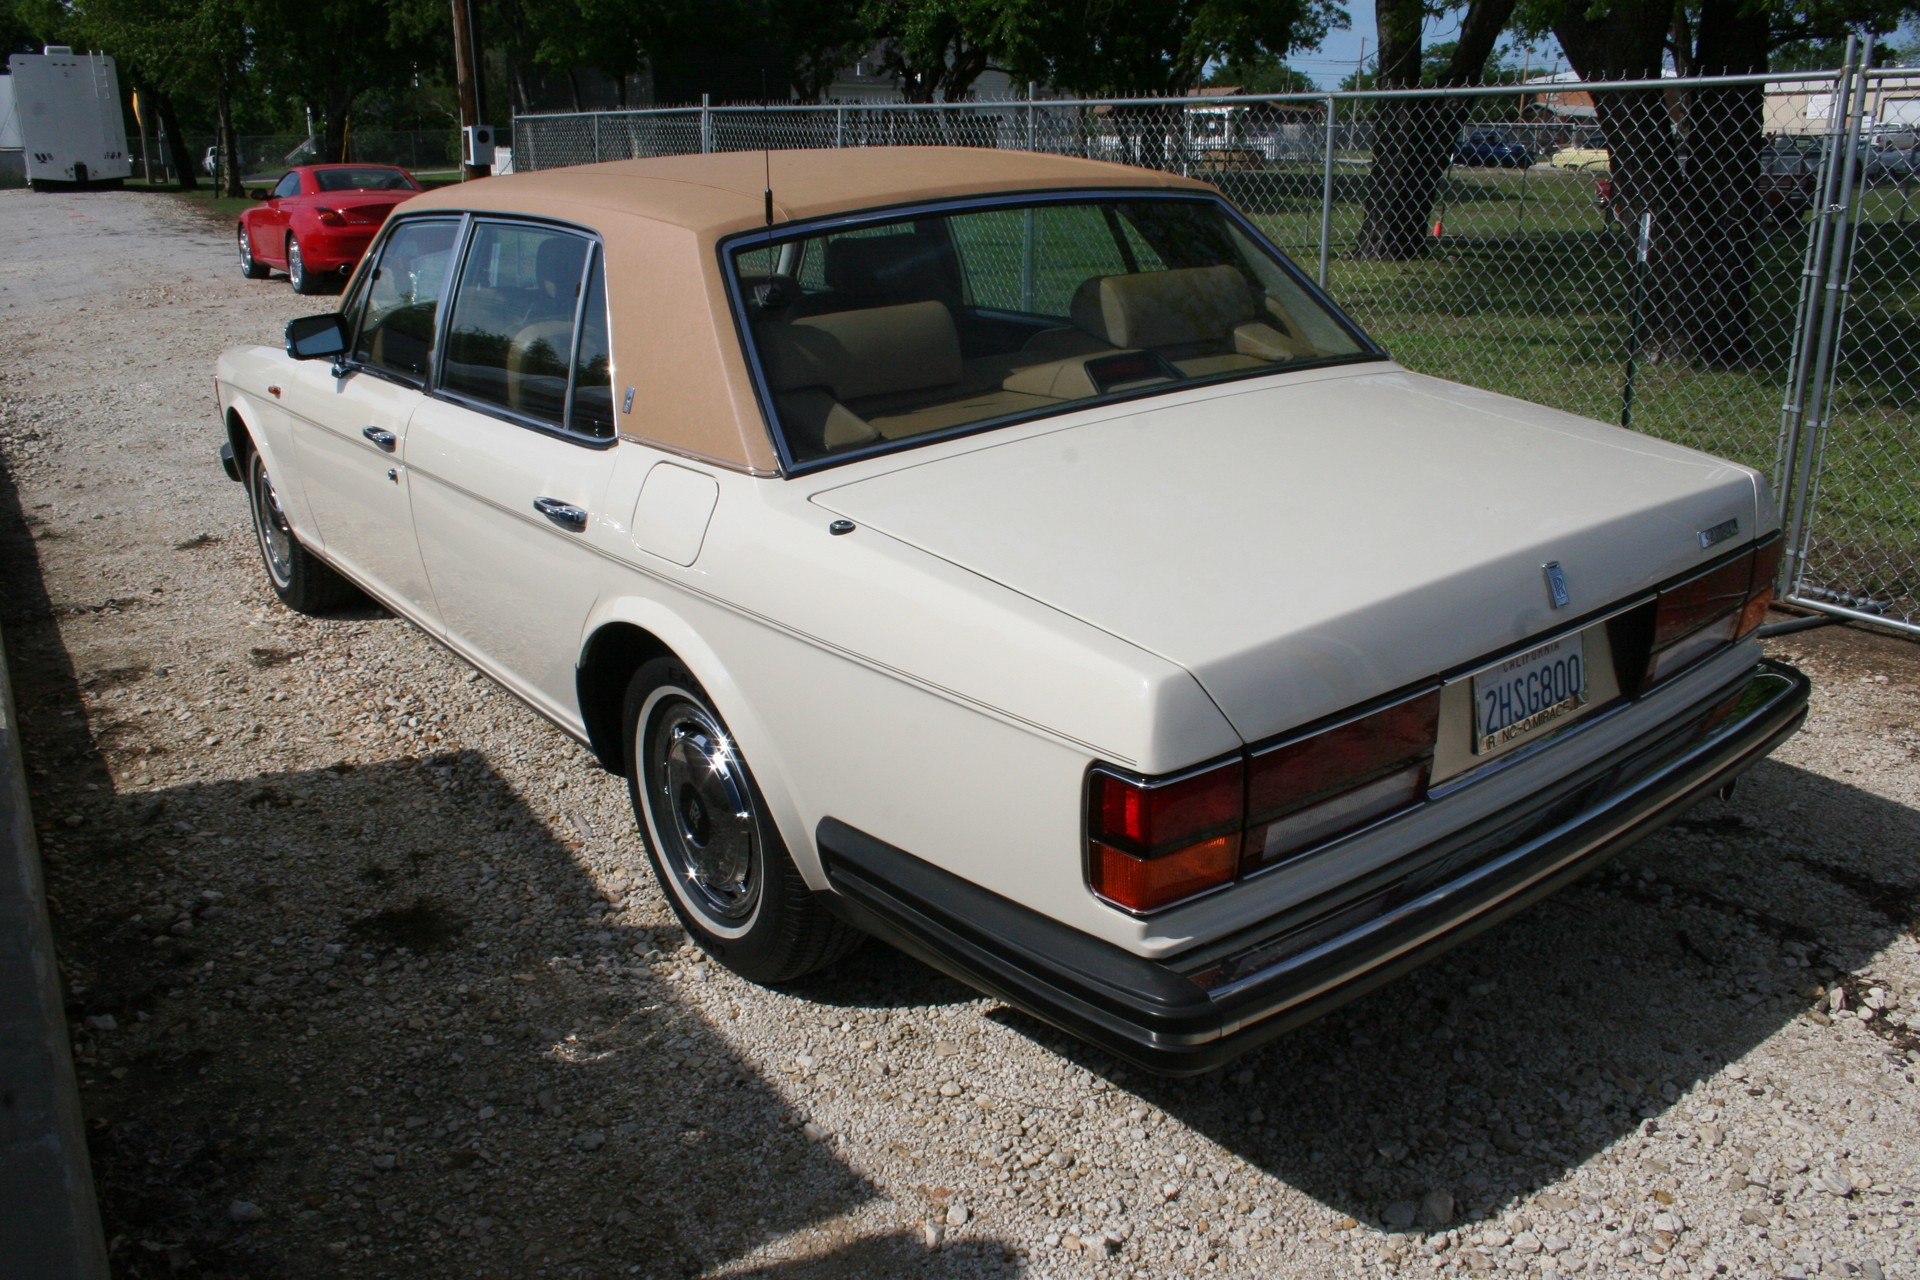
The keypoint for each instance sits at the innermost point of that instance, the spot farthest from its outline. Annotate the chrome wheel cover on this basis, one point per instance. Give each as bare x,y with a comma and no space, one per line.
702,812
296,265
246,251
270,525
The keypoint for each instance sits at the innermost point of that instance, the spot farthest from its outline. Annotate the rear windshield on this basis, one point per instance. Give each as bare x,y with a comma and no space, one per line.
891,333
365,180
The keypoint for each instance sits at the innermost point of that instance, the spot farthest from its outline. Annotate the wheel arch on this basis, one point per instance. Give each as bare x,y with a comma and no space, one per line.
626,632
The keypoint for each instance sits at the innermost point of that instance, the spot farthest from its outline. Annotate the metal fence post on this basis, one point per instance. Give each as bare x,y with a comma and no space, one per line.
706,123
1326,193
1832,302
596,136
1030,134
839,127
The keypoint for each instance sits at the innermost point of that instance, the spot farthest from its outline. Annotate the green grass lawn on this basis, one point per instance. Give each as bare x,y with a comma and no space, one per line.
1529,291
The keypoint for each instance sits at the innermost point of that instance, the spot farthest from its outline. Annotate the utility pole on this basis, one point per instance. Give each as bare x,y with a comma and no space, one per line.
1359,62
466,70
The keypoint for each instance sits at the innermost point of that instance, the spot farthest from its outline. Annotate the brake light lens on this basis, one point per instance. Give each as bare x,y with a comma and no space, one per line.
1766,571
1711,610
332,218
1307,792
1152,843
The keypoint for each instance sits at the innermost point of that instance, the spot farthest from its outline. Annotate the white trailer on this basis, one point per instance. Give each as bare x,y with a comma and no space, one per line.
62,109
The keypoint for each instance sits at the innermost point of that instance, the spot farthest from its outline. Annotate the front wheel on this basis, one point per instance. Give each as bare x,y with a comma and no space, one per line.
250,267
303,583
715,850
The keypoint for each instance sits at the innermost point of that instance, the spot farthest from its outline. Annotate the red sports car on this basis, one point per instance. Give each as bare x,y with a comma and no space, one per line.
318,220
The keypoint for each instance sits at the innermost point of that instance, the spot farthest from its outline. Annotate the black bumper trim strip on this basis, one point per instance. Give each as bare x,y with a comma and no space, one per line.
1155,1015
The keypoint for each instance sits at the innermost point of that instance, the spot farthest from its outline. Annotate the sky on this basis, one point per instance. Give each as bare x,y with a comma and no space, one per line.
1335,57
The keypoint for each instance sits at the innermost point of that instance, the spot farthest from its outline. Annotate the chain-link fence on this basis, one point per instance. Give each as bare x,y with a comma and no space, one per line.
265,156
1654,253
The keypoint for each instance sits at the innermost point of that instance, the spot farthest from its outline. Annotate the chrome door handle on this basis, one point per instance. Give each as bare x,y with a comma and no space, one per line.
561,513
385,439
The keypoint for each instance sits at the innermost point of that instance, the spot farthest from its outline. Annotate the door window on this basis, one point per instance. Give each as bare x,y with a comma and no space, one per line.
510,342
403,300
287,186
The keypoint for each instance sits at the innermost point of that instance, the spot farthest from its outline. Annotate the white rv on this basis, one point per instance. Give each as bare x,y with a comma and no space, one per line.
61,109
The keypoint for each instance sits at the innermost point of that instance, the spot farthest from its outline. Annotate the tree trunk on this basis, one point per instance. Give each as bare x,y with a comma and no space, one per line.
229,144
179,157
1687,158
1413,136
338,107
1724,217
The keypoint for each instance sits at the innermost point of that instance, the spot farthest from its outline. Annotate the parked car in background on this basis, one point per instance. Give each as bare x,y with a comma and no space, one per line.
1589,152
1492,147
1789,167
1017,558
210,161
317,221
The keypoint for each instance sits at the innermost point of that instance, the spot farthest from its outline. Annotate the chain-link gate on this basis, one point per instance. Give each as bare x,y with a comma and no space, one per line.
1671,255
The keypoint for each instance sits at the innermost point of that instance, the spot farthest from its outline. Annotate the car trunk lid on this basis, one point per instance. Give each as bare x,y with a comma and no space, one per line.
1311,542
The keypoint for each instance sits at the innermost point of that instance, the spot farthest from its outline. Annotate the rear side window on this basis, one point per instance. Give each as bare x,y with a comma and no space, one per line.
592,411
511,340
403,299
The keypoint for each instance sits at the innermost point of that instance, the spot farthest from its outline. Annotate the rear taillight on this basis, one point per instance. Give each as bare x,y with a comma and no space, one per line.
1711,610
1307,792
332,218
1153,842
1766,571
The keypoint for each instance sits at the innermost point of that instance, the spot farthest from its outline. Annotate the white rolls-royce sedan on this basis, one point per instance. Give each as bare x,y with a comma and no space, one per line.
1019,559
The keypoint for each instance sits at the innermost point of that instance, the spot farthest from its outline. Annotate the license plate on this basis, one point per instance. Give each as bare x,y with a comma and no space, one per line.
1523,695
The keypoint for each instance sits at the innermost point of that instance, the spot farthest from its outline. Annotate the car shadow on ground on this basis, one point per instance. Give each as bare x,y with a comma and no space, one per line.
1491,1073
416,1037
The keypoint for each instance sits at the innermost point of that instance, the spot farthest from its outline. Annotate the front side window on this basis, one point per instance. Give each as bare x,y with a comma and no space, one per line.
287,186
403,298
510,341
936,323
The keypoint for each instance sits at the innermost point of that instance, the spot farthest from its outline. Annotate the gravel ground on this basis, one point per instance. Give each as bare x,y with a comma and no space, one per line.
367,975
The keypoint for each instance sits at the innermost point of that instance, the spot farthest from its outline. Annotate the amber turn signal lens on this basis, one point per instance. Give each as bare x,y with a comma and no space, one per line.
1147,884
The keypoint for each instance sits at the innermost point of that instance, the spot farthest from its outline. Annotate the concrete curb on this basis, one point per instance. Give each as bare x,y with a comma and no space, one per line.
49,1221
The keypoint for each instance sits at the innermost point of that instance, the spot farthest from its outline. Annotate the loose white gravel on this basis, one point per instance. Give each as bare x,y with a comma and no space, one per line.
368,976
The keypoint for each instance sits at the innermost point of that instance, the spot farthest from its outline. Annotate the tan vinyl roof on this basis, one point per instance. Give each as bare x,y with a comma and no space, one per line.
723,192
673,334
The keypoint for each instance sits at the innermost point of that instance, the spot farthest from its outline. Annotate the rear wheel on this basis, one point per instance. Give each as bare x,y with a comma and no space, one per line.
714,849
249,267
303,583
303,280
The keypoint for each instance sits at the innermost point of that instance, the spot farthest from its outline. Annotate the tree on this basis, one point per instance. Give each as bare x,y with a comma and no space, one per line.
1266,74
935,48
1413,136
1153,48
286,34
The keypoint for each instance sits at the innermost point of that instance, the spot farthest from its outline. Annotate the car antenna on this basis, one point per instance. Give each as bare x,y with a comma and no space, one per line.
766,147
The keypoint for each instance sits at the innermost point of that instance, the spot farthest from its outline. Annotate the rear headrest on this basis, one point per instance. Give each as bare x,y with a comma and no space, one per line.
1164,308
557,264
872,352
896,268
